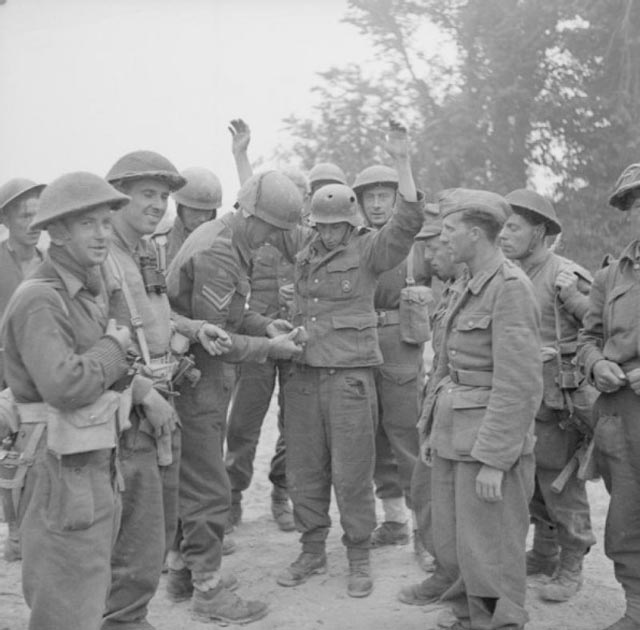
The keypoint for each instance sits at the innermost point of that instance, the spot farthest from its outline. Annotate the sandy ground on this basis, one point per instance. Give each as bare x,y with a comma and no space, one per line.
322,603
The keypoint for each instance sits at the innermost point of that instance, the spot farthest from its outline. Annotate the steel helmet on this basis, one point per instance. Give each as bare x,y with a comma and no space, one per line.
272,197
376,175
73,193
297,177
327,173
334,203
15,188
145,164
621,197
523,199
202,191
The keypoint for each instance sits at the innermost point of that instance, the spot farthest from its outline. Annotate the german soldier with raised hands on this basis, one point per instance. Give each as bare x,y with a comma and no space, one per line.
330,410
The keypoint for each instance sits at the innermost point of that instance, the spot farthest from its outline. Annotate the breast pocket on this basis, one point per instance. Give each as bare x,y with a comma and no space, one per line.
620,309
342,277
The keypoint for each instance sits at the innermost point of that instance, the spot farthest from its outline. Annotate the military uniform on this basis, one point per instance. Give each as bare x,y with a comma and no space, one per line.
208,280
150,499
489,383
256,381
396,386
56,352
567,511
330,411
611,331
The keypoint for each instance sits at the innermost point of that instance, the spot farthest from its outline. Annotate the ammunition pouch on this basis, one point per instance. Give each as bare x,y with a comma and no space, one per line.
415,301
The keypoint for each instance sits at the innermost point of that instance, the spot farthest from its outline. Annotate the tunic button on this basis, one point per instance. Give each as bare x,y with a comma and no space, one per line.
316,280
315,299
453,351
313,319
470,324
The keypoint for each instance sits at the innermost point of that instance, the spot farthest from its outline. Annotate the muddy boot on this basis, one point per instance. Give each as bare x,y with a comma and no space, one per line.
390,533
625,623
422,556
567,578
359,583
543,557
281,509
305,565
235,512
225,607
429,591
180,584
12,550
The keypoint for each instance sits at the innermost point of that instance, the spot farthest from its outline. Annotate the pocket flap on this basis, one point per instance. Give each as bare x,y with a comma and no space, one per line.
470,399
473,321
359,322
343,263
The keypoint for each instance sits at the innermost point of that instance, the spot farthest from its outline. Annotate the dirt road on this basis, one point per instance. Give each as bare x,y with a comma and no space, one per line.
322,603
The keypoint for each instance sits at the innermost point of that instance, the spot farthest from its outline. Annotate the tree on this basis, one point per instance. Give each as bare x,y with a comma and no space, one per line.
537,92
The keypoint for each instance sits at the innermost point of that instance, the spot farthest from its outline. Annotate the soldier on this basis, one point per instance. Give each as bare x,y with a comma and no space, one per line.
19,256
480,413
256,381
208,279
432,588
196,203
62,358
608,353
562,523
396,379
330,413
325,173
150,449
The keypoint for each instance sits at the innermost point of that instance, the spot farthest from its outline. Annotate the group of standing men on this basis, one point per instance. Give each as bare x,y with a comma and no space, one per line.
321,286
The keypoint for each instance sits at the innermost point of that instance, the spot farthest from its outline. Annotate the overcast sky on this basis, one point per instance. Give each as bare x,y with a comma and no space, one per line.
84,81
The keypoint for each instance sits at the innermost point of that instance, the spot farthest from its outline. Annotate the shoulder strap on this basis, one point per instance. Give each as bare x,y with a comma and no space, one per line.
136,320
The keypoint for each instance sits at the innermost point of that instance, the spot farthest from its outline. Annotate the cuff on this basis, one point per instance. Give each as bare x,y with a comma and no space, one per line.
112,357
187,327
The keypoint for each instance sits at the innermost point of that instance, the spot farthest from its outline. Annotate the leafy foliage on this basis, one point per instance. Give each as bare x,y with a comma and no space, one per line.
543,93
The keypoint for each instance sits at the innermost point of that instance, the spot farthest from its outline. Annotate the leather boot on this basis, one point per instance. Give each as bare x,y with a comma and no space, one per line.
567,578
225,607
180,584
543,557
305,565
281,509
390,533
359,583
429,591
228,546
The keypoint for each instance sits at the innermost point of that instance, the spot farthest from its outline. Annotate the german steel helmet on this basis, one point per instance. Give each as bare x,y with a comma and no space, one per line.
621,197
536,204
145,164
378,174
334,203
328,173
73,193
15,188
202,191
272,197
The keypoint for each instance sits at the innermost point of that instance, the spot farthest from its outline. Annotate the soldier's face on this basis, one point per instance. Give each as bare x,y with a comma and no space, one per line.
87,236
192,218
516,237
332,234
18,217
439,257
457,239
259,232
378,203
148,205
